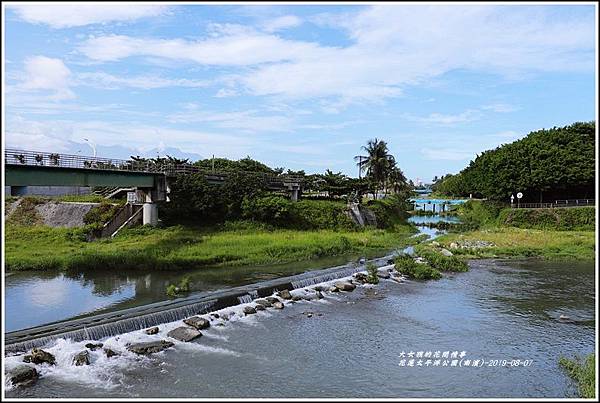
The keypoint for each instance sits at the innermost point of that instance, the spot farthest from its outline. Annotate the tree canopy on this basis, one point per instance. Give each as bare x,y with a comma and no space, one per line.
546,165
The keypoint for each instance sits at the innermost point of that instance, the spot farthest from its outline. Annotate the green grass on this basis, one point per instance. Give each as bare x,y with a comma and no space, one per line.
439,261
518,242
583,373
560,219
406,265
41,248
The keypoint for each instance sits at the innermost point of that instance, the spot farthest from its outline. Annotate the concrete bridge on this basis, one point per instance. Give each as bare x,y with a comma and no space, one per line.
149,179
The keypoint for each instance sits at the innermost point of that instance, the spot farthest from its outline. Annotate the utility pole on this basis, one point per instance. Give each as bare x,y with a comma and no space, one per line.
213,164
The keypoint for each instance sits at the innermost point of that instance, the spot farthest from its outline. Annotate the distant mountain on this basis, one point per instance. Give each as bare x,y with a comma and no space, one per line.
123,152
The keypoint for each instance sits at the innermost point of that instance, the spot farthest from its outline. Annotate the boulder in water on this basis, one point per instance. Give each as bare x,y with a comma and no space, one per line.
564,317
150,347
333,289
249,310
39,356
259,307
82,358
94,346
152,330
278,305
184,333
383,274
319,288
361,277
272,300
285,294
110,353
344,286
446,252
296,298
263,302
319,295
22,375
197,322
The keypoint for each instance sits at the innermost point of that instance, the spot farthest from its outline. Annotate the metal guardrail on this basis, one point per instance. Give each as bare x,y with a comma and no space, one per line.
56,160
557,204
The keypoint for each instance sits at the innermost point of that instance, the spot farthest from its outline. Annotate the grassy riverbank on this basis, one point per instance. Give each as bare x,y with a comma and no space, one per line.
496,231
519,242
583,372
41,248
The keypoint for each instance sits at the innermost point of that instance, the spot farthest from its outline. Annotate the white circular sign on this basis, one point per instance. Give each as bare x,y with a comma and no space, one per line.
519,195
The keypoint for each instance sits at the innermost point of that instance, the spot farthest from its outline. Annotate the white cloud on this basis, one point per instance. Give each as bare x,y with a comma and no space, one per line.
54,135
109,81
46,74
443,119
231,47
281,23
75,15
226,92
392,47
245,121
500,108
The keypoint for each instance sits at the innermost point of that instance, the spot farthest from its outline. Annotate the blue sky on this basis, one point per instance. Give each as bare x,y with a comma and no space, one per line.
295,86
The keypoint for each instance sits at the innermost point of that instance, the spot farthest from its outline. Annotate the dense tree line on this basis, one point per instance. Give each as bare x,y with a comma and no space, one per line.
547,165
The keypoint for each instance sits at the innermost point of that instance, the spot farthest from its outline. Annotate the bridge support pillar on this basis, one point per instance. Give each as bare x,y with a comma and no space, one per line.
150,214
294,194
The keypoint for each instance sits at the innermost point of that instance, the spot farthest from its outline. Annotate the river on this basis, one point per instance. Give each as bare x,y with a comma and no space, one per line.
353,344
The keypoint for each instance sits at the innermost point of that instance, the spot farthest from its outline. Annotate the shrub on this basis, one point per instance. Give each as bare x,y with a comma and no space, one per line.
320,214
561,219
476,213
390,211
442,262
372,277
183,286
274,210
100,214
25,213
406,265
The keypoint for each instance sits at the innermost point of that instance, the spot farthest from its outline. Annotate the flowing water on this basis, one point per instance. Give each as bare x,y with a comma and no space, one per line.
34,298
354,343
497,312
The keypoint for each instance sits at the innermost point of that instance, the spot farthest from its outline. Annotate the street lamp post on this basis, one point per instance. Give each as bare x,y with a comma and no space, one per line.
93,145
512,201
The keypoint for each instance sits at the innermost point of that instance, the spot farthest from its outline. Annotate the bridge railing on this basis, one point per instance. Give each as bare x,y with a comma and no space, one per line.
56,160
558,204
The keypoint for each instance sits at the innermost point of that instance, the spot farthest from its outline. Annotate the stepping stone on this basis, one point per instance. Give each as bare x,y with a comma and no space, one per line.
184,333
197,322
150,347
152,330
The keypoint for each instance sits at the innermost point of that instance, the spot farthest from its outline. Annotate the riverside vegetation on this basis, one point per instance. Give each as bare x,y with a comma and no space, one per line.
582,371
495,230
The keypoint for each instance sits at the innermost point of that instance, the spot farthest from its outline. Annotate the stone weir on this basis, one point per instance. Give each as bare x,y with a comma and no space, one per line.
127,320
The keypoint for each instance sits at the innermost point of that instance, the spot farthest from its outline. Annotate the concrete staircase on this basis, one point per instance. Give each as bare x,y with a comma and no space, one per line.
128,215
109,192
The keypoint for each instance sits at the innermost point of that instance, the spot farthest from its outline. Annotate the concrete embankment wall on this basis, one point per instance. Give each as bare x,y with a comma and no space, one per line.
56,214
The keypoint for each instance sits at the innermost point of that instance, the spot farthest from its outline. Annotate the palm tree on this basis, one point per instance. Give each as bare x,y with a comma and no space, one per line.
377,163
397,180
